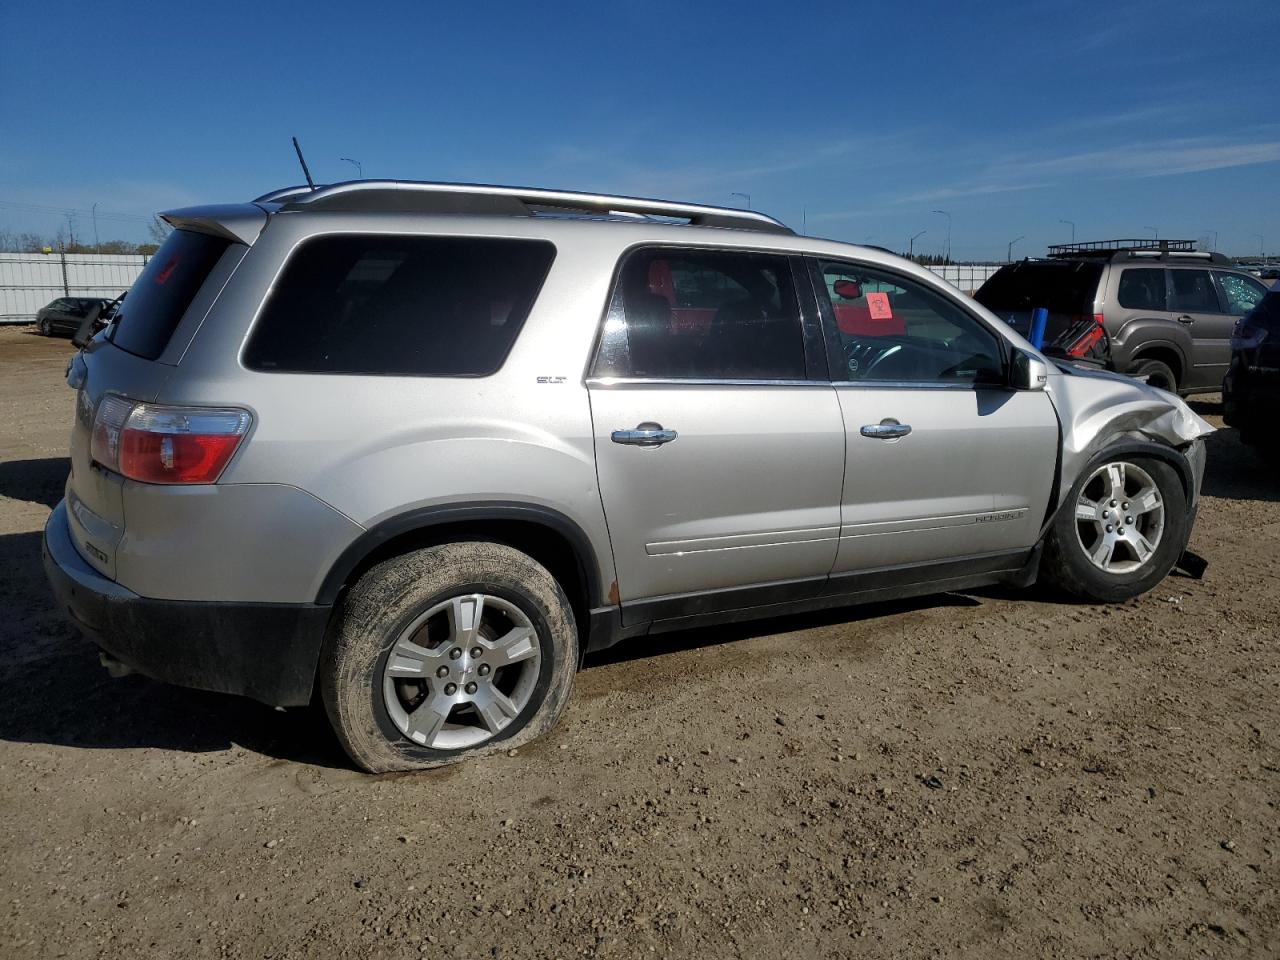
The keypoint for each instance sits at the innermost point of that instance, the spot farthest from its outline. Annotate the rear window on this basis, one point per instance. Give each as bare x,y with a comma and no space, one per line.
163,291
416,306
1142,288
1067,287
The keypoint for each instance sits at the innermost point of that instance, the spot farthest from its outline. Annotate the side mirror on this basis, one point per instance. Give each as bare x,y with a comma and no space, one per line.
1028,372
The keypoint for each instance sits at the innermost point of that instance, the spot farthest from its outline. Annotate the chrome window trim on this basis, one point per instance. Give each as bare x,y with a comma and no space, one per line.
611,382
608,382
915,385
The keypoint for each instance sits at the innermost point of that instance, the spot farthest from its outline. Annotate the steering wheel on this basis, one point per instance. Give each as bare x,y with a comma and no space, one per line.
862,357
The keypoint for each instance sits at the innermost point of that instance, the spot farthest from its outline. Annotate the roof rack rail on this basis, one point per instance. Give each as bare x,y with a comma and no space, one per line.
1108,247
392,196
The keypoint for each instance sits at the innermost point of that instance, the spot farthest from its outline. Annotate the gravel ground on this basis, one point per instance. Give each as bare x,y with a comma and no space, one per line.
999,774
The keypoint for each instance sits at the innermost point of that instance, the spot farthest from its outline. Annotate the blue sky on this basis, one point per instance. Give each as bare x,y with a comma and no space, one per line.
856,119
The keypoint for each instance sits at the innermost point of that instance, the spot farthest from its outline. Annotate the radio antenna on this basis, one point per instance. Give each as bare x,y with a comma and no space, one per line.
305,172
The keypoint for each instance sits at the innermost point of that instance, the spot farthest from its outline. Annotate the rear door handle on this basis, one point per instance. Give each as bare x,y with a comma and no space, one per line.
1186,319
645,435
886,429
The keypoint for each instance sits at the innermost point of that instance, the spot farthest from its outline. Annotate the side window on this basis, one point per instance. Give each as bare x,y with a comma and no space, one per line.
702,315
413,306
1242,293
893,328
1193,292
1142,288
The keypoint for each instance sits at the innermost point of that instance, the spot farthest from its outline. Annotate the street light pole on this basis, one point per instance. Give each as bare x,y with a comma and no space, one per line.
948,216
1009,253
355,163
744,196
1153,230
1214,248
1073,228
911,244
97,247
1261,244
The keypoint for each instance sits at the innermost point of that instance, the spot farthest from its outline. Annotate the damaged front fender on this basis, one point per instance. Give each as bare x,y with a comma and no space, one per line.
1098,409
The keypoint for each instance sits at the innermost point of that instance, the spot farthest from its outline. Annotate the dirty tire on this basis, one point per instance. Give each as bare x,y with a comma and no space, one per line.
388,598
1065,566
1158,374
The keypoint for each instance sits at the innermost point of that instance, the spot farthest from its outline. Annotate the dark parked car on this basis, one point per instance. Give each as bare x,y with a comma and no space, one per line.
96,320
64,316
1251,388
1165,311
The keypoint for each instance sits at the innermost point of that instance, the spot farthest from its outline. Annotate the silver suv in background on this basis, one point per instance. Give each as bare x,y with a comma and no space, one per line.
419,447
1159,310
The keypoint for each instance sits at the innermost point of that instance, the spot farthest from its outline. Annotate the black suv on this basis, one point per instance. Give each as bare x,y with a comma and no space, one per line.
1251,388
1161,311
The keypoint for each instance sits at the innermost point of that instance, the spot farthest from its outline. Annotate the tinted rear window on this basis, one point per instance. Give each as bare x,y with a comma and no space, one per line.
418,306
1142,288
163,291
1067,287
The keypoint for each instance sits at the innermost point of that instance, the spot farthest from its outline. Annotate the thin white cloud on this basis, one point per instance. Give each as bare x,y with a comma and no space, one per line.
971,190
1165,158
1153,159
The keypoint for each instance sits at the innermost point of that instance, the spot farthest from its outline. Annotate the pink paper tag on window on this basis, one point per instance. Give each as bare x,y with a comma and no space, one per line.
878,306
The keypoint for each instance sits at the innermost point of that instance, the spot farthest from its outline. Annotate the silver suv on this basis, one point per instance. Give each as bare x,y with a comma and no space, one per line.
417,448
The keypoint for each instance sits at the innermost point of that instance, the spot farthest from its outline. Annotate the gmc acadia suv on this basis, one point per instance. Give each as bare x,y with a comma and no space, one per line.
416,448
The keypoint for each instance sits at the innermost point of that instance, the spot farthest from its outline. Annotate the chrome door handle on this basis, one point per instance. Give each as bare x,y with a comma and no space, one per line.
645,435
886,429
1186,319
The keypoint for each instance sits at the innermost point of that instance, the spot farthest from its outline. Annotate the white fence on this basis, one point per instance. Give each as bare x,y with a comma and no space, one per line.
30,280
967,276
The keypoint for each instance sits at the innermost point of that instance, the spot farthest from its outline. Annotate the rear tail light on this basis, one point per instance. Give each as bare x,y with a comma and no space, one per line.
1091,338
158,444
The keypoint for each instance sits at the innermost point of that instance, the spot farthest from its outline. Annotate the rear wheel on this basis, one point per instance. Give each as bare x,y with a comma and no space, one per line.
448,652
45,328
1157,373
1120,532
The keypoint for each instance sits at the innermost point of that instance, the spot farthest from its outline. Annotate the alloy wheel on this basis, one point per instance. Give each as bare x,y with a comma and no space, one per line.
460,673
1119,517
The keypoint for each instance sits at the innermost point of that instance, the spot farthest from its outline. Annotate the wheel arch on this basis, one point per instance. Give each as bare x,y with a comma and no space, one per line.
1126,446
1167,351
545,534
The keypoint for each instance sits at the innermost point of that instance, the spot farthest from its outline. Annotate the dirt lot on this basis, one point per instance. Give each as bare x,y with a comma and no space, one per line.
1106,779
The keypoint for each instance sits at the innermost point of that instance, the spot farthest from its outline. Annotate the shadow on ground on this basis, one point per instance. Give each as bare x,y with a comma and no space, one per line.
39,481
1235,471
54,691
641,648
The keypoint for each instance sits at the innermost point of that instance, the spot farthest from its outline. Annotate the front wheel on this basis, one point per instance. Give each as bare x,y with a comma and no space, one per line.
46,330
1120,532
448,652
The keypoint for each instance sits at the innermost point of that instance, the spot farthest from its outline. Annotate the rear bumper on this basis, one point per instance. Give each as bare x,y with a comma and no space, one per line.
266,651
